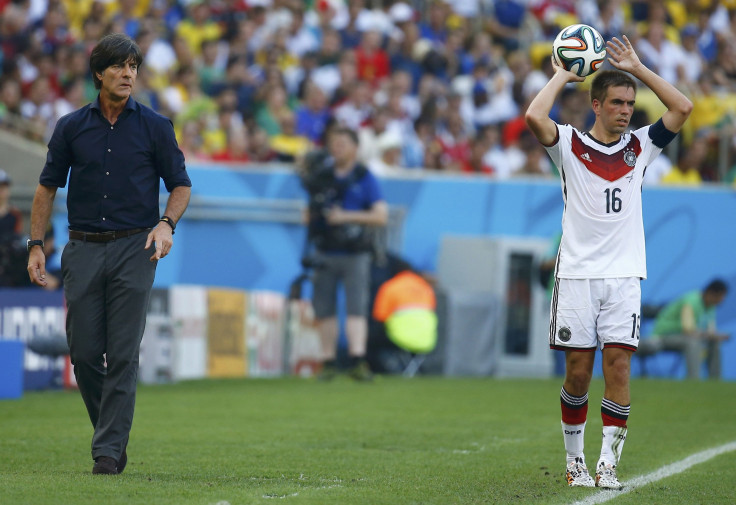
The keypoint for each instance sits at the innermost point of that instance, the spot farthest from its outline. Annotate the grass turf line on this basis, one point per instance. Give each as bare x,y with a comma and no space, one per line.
421,441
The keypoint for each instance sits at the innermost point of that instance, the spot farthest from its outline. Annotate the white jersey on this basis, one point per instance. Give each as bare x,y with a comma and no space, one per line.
602,226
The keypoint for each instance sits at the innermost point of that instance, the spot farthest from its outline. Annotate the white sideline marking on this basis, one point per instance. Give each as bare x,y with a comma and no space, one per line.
662,473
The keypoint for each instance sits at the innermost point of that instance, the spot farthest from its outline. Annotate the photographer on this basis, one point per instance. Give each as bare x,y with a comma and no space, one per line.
345,202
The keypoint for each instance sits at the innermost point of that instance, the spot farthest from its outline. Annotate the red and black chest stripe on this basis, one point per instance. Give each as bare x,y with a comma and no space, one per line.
610,167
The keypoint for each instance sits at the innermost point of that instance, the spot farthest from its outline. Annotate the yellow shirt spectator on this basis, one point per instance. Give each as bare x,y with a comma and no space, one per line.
198,27
689,177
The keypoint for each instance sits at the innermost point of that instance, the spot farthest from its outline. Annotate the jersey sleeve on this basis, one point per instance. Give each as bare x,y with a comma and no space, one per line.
650,149
660,135
556,149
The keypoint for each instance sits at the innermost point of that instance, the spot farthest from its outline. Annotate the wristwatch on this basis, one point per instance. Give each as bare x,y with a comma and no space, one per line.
169,221
31,243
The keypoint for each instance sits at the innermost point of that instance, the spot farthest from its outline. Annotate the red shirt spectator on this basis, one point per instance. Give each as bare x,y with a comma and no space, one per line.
373,63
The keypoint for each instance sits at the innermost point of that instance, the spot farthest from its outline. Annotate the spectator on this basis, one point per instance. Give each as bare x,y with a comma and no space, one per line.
370,132
495,157
198,26
313,114
693,62
350,32
287,144
402,57
688,324
238,143
159,53
534,161
416,141
11,220
661,55
126,20
12,254
38,108
77,67
657,170
10,102
372,61
687,170
275,105
239,81
476,162
454,140
434,28
506,22
386,159
259,147
357,109
210,65
300,38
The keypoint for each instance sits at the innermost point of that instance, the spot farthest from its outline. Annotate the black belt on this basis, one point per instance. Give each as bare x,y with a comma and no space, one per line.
106,236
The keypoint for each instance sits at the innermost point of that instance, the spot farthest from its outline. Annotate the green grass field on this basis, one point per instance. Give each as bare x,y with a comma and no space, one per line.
396,441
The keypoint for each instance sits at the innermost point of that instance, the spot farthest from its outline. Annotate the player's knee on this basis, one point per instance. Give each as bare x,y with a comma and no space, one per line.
618,369
577,381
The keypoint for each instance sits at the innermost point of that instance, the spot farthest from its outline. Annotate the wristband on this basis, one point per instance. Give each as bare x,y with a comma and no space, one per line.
169,221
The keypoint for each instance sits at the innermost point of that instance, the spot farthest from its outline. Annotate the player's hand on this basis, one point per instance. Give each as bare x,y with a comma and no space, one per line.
570,76
161,238
621,54
37,266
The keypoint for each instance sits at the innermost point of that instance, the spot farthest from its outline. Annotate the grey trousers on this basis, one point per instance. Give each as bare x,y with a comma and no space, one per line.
107,287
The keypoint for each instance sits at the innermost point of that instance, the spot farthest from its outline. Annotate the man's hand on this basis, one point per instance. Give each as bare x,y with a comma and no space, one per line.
570,76
37,266
161,237
336,215
622,55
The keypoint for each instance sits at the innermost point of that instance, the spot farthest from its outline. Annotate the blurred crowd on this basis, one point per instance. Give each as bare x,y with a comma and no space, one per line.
429,85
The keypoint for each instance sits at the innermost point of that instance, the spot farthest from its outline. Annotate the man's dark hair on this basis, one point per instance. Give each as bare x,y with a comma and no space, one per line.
716,286
113,49
605,79
347,132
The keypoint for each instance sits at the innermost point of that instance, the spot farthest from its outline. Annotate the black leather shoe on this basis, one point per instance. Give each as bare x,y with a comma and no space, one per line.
105,465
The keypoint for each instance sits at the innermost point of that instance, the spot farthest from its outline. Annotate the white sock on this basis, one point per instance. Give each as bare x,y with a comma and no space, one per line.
574,435
613,443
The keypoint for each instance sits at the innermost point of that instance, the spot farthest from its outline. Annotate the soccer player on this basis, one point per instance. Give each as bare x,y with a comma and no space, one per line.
601,260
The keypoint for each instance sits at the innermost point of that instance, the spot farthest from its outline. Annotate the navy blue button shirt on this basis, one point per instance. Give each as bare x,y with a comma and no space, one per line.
115,169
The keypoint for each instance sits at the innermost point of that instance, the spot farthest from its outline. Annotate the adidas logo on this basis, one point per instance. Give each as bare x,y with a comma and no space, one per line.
585,156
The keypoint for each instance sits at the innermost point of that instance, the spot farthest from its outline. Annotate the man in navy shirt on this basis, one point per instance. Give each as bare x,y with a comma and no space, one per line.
114,152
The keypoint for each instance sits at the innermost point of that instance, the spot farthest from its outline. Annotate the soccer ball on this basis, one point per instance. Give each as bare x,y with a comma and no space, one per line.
579,49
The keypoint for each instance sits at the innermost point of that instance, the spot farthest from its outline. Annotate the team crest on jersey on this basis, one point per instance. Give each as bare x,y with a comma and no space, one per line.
564,334
630,158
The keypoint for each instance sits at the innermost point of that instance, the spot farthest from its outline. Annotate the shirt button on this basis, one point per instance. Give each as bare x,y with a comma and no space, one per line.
107,173
105,196
112,127
108,150
103,218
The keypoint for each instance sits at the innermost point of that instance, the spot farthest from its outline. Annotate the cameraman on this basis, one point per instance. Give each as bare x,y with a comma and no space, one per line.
345,203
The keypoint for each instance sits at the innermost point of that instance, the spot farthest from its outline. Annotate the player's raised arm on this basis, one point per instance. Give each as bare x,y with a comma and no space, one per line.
623,57
537,115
